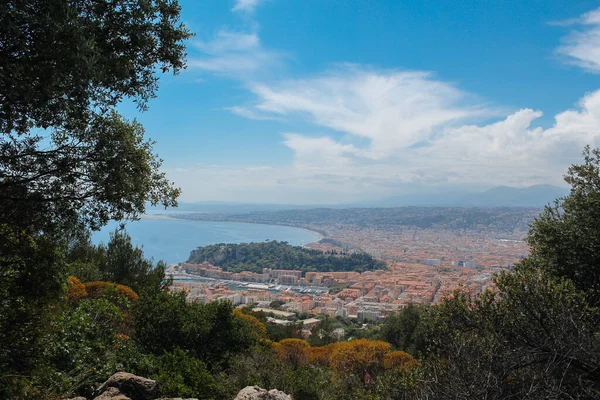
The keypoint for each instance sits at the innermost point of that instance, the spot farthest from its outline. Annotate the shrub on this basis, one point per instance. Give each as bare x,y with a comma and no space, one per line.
259,327
101,289
319,355
399,359
77,290
293,351
358,357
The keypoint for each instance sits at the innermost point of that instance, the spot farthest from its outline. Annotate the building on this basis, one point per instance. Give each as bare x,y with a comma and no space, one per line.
277,313
309,323
277,273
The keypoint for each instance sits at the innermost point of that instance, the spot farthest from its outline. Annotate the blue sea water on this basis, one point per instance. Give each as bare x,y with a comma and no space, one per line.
171,240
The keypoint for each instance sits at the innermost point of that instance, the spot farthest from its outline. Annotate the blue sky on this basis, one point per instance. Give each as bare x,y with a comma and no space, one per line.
324,101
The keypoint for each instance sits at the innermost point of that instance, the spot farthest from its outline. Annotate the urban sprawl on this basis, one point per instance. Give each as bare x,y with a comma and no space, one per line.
370,295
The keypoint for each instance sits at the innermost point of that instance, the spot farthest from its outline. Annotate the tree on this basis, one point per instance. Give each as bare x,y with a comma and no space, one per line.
211,332
68,160
324,333
179,374
65,65
404,329
118,261
292,351
28,282
565,239
537,335
358,357
124,263
78,355
535,338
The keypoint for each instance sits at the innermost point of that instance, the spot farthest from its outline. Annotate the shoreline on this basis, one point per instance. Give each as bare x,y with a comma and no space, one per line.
170,217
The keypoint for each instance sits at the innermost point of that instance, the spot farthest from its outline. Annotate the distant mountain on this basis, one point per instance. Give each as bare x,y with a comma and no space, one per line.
501,196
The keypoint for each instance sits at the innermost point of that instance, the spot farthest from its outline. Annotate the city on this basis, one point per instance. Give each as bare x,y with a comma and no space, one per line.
369,295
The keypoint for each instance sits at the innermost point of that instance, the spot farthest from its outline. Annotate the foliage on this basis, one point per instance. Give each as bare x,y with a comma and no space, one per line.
280,255
109,290
537,338
85,54
32,278
277,332
68,160
118,261
307,382
538,334
82,348
340,370
164,322
179,374
319,355
324,333
358,357
276,304
398,359
398,384
404,329
126,264
76,291
259,328
63,149
292,351
261,366
357,331
565,239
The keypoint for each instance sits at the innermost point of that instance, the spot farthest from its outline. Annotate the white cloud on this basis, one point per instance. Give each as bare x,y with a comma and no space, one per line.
234,54
226,41
582,47
250,114
319,151
376,131
393,110
246,5
394,128
511,151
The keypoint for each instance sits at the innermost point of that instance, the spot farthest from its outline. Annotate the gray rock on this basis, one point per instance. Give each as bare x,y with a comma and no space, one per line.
131,387
256,393
112,393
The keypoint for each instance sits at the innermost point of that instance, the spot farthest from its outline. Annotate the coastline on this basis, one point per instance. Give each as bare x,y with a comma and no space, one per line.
171,217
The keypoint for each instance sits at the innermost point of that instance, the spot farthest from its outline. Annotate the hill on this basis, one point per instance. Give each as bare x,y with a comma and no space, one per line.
280,255
498,219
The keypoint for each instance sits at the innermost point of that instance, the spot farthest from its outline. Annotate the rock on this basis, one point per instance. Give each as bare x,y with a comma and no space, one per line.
256,393
77,398
112,393
130,387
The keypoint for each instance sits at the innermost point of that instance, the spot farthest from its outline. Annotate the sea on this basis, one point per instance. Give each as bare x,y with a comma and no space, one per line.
171,240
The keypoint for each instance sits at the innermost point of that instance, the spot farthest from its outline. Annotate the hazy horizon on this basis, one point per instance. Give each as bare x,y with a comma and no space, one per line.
500,196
